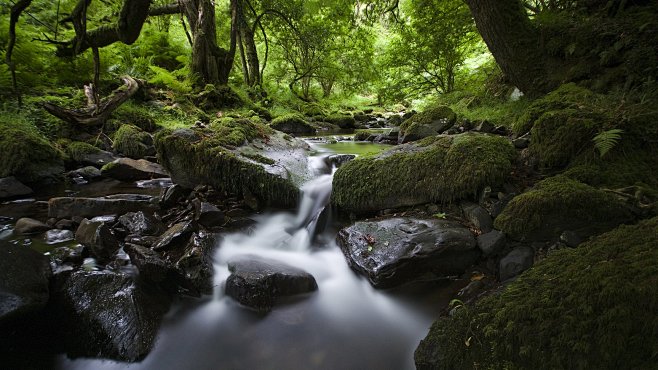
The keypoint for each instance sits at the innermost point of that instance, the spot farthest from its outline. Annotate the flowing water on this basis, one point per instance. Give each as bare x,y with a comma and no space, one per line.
345,324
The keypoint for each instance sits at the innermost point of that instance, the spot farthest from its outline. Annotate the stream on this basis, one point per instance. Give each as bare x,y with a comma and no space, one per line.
345,324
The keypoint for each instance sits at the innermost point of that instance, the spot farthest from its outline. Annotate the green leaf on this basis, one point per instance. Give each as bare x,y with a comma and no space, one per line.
607,140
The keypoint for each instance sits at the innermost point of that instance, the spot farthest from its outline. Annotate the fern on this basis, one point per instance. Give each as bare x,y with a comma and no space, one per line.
607,140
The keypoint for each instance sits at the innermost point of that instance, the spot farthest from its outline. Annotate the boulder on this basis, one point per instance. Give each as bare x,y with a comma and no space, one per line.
515,262
491,243
394,251
257,282
150,264
195,267
140,223
97,159
66,207
126,169
344,121
292,124
10,187
26,154
430,122
29,226
478,216
98,236
107,314
439,169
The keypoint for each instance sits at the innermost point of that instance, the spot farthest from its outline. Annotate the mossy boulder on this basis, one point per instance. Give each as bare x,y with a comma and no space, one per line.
294,124
218,97
137,115
344,121
559,204
235,132
313,110
430,122
436,169
77,151
26,154
133,142
593,307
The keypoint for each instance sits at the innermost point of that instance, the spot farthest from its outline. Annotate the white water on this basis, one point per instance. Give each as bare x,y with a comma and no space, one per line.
346,324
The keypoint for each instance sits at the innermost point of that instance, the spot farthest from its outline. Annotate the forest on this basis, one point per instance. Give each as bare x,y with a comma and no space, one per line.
306,184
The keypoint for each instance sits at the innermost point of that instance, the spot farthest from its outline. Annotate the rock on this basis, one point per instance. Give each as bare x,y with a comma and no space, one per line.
430,122
257,282
107,314
140,223
195,267
150,264
65,224
477,216
208,215
399,250
98,237
97,159
56,236
344,121
118,204
338,160
10,187
292,124
515,262
441,170
491,243
88,173
485,127
29,226
173,194
175,236
126,169
571,239
24,283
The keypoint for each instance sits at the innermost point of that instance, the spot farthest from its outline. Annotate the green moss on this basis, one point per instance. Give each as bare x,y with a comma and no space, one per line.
558,204
292,124
220,97
313,110
593,307
132,142
361,135
77,150
234,132
259,158
344,121
137,115
426,118
438,169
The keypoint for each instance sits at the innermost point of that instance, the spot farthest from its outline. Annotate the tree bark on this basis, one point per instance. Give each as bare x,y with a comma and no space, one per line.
16,11
514,42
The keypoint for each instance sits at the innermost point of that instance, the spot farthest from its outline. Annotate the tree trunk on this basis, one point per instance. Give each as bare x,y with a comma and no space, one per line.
514,43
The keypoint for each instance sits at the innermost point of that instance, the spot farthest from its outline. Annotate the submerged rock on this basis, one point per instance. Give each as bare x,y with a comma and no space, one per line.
398,250
10,187
118,204
126,169
257,282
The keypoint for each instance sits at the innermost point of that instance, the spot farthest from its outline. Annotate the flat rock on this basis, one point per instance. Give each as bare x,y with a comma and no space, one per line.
175,235
126,169
398,250
10,187
119,204
258,282
28,226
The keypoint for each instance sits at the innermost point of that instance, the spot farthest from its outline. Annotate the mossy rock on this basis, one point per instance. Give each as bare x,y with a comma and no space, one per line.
76,151
218,97
559,204
344,121
137,115
235,132
430,122
133,142
292,124
593,307
26,154
436,169
313,110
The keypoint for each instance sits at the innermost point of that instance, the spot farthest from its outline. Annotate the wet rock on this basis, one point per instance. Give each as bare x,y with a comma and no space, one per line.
173,194
24,282
338,160
258,282
477,216
98,237
175,236
150,264
195,266
10,187
29,226
208,215
491,243
107,314
88,173
515,262
118,204
398,250
56,236
140,223
97,159
126,169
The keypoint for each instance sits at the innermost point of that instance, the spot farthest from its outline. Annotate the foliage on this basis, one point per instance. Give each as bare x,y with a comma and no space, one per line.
606,140
133,142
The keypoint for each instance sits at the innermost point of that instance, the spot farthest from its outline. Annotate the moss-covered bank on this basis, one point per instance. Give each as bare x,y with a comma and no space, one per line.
593,307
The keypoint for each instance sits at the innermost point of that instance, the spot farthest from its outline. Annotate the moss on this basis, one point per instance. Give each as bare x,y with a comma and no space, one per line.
558,204
25,152
234,132
77,150
313,110
292,124
220,97
361,135
132,142
259,158
439,169
344,121
137,115
426,118
593,307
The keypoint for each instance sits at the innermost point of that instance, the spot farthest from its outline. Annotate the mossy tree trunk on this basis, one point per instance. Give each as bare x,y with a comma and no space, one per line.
249,53
514,42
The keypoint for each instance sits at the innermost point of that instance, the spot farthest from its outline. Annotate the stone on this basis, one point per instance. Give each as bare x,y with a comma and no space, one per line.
29,226
195,267
67,207
478,216
491,243
66,224
571,239
10,187
88,173
98,159
126,169
107,314
485,127
174,194
140,223
208,215
338,160
515,262
175,236
99,238
257,282
294,124
56,236
394,251
149,263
